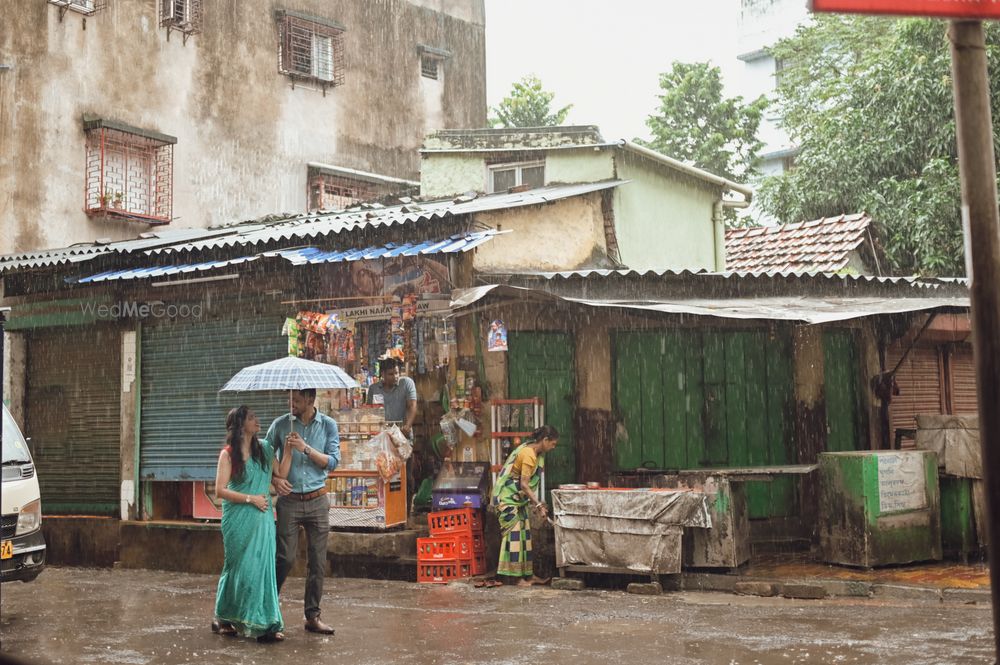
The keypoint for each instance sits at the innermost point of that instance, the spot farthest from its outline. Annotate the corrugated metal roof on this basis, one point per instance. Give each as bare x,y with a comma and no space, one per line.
162,271
820,245
455,243
301,227
744,276
319,225
808,309
305,256
80,253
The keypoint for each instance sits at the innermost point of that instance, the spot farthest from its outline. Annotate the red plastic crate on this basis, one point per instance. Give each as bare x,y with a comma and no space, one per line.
479,564
468,544
454,521
443,571
435,548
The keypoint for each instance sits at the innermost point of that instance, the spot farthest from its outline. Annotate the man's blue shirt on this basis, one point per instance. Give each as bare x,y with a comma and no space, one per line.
321,434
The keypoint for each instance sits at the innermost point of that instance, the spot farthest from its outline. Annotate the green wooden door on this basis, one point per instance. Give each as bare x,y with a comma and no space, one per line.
541,364
703,399
841,384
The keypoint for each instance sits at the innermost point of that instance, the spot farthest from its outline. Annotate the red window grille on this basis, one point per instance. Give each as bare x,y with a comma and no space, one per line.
129,173
310,48
85,7
181,15
330,192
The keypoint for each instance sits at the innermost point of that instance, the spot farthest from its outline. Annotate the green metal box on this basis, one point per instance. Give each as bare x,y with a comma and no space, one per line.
879,507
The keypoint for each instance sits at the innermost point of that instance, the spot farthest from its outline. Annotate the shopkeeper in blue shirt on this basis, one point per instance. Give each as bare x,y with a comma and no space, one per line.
313,441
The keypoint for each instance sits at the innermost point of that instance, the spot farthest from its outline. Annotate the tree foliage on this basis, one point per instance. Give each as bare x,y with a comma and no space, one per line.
528,105
869,103
696,124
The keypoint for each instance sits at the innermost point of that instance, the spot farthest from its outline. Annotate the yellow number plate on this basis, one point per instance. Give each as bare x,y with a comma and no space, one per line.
7,549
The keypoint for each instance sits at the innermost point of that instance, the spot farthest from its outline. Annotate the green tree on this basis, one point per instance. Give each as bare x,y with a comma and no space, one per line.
869,103
695,123
528,105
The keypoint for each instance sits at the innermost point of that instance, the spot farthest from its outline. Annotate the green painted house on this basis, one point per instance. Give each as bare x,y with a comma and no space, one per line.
656,213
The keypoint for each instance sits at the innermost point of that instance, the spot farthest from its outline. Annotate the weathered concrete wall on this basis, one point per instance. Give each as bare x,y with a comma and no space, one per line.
244,132
447,175
14,359
647,211
562,235
80,541
585,165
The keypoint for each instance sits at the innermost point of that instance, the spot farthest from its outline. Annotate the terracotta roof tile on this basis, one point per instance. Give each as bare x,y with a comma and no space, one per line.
819,245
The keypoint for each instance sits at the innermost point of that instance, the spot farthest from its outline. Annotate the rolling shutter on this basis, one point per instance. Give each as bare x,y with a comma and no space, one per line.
920,388
73,418
962,374
183,418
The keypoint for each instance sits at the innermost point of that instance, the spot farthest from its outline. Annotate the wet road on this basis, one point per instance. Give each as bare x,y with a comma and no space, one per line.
76,615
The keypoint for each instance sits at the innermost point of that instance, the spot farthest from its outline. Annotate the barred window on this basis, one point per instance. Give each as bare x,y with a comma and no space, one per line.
86,7
330,192
181,15
310,48
129,172
431,60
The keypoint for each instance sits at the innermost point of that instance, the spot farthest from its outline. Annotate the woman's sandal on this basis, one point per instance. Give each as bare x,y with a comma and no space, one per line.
272,637
488,584
220,628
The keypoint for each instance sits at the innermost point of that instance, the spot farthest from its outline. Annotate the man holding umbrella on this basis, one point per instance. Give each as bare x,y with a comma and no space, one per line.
313,441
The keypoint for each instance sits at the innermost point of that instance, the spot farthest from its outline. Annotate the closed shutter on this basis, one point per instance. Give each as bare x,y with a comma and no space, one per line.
963,380
183,418
920,389
73,418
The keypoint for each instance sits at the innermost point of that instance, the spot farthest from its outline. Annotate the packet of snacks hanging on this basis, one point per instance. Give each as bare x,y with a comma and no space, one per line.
392,450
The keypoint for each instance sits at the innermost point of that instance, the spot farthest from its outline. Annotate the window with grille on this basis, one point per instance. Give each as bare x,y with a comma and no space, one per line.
431,60
129,172
330,192
311,48
87,7
429,67
505,176
182,15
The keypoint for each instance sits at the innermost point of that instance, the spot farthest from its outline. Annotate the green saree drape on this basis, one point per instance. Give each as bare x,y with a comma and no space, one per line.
247,596
512,507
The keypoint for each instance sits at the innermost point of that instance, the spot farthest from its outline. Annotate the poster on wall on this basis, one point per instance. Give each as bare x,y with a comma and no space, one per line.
496,338
901,483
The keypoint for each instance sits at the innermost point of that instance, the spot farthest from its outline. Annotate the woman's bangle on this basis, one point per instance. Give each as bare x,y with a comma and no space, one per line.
246,498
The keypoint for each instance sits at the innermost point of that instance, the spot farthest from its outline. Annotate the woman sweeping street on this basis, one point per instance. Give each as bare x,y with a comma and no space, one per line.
247,599
515,493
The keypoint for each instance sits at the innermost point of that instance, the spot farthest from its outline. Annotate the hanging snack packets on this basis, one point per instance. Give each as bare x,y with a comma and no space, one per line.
291,329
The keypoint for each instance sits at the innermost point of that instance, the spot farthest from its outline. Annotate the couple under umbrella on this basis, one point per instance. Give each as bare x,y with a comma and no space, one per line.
247,597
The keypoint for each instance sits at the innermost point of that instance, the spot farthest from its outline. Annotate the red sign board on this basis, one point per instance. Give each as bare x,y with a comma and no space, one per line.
970,9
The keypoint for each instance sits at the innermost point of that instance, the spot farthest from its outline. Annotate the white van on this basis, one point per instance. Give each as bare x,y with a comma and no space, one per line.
22,546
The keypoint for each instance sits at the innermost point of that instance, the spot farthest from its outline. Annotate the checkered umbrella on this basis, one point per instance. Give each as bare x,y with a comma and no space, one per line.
289,374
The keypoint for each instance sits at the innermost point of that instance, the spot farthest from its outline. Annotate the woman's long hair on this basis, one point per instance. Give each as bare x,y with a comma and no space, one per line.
234,438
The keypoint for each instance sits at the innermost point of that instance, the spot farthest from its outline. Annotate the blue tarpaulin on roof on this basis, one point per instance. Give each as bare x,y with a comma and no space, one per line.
461,242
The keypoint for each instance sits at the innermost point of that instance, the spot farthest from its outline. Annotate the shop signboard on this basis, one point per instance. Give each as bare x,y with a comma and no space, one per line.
960,9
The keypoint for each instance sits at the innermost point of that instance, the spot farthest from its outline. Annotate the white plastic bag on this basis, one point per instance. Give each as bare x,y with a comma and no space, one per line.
387,462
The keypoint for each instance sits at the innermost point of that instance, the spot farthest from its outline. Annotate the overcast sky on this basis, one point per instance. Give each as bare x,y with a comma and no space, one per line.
605,56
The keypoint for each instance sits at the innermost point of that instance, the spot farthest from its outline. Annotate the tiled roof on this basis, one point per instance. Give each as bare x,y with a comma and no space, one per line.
822,245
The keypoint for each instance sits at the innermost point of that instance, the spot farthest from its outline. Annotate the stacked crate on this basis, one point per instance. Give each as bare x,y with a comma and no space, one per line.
454,548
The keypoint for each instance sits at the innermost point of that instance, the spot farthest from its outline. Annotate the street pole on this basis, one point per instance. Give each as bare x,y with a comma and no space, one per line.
982,241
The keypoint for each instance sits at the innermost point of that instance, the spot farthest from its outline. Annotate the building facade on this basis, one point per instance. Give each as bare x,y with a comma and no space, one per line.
126,115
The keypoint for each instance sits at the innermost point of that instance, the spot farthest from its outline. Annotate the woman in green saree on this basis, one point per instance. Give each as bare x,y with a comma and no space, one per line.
247,599
515,491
